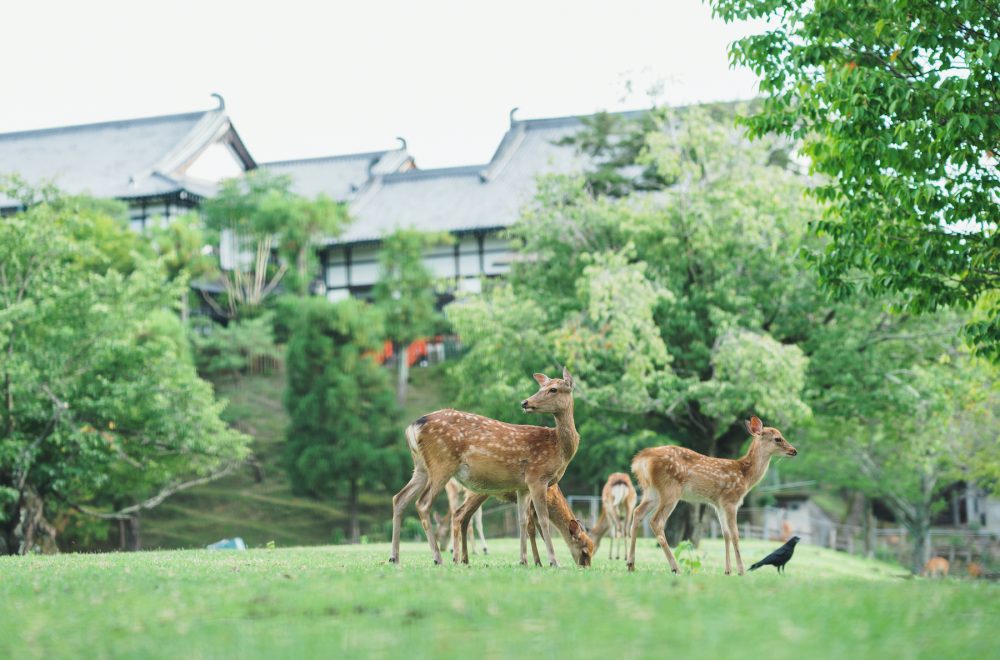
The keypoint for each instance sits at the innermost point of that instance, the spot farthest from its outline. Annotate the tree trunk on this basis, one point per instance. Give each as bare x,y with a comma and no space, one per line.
353,510
921,543
869,528
403,371
33,531
134,535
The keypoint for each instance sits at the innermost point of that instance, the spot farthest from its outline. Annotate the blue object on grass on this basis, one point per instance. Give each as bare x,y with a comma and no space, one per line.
228,544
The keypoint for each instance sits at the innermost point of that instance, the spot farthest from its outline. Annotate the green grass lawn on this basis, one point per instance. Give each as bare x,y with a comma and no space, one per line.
342,601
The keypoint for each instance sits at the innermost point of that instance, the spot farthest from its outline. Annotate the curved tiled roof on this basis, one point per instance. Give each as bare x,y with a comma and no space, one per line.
339,177
468,198
124,159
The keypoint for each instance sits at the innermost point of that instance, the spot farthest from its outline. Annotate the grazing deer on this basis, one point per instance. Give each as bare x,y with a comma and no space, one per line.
457,496
670,474
975,570
617,504
935,567
560,515
491,457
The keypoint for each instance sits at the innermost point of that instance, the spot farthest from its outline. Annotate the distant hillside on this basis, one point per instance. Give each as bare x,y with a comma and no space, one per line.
258,505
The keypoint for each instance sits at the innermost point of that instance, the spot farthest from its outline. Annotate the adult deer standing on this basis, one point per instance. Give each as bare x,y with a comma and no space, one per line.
670,474
491,457
617,504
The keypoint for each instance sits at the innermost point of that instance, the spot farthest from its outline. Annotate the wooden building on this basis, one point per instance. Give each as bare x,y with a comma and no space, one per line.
161,166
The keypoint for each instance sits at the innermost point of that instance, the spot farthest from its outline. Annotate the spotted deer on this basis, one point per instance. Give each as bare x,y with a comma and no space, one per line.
617,504
560,515
670,474
936,567
491,457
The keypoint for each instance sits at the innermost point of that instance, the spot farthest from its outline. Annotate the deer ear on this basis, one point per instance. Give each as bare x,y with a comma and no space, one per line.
568,377
574,527
541,378
754,425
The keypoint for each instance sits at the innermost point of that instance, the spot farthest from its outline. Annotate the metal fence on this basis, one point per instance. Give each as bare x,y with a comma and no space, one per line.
961,546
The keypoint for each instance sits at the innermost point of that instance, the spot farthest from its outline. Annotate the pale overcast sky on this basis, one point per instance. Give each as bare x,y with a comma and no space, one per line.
308,79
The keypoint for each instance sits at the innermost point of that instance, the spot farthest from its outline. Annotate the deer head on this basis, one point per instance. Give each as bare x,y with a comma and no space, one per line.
580,544
769,439
554,395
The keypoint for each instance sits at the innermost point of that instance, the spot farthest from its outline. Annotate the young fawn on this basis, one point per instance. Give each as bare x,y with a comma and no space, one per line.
617,504
670,474
491,457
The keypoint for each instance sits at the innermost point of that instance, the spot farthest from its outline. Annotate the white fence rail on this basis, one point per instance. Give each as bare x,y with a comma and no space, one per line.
961,545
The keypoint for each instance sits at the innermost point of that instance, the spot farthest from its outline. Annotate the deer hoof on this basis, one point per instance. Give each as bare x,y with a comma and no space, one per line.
675,571
631,567
393,560
554,564
486,551
538,563
437,561
524,562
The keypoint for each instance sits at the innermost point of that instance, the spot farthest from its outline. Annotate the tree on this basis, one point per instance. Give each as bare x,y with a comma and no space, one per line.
678,313
935,423
260,210
895,103
344,430
103,411
406,295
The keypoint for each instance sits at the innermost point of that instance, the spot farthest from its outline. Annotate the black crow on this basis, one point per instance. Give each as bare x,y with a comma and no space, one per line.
779,557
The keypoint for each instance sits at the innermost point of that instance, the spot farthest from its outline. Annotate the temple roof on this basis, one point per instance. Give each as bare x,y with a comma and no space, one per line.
126,159
473,197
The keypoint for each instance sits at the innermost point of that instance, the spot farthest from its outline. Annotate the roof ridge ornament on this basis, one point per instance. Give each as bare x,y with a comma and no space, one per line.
222,101
511,114
402,143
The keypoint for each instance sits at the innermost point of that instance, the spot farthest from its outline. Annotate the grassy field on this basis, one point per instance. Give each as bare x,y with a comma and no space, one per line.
338,600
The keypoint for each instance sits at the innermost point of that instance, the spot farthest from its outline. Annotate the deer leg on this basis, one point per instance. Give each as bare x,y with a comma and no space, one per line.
734,533
659,527
648,500
523,513
537,491
424,511
621,535
612,528
478,522
531,537
399,503
724,525
460,525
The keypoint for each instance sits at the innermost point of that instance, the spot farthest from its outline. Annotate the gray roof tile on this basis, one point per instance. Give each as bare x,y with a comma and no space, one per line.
467,198
124,159
339,177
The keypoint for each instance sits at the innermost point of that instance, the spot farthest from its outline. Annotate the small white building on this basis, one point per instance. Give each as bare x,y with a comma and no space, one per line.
798,515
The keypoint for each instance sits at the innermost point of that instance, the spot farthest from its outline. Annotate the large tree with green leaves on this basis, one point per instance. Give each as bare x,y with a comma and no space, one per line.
103,413
681,310
344,432
674,311
896,104
406,294
258,213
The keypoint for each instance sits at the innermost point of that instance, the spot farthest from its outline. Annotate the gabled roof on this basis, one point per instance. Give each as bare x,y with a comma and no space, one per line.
340,177
469,198
131,158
